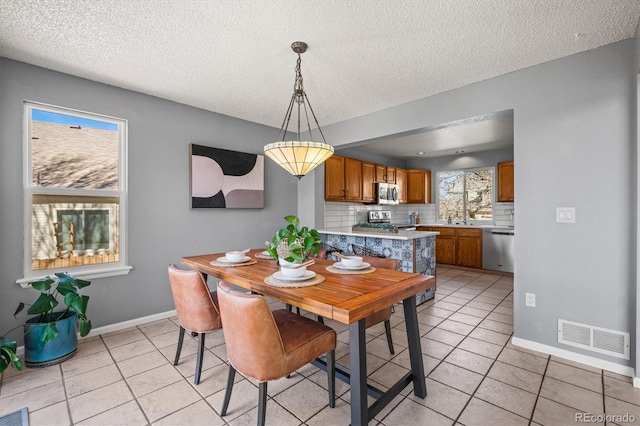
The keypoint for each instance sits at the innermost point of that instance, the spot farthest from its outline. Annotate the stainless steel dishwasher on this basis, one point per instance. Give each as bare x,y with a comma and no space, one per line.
497,249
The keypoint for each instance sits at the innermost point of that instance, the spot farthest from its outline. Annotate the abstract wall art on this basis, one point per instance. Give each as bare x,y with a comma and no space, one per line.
220,178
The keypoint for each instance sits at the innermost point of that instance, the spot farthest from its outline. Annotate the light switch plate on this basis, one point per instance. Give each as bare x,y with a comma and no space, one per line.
566,215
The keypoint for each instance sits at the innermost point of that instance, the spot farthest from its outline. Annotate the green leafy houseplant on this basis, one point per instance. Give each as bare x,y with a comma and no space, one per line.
293,243
8,355
50,288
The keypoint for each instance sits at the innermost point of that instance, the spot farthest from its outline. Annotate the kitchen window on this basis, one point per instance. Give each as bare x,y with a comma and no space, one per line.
465,194
75,192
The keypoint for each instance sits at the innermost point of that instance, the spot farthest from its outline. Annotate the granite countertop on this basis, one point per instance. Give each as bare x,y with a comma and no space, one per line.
401,235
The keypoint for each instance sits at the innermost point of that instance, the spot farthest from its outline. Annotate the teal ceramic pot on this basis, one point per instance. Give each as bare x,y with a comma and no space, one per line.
42,354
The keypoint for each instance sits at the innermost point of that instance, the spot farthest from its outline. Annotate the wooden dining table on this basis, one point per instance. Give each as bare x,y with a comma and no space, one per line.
348,299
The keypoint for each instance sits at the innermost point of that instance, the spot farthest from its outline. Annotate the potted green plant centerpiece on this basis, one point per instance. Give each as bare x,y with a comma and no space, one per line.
51,336
294,244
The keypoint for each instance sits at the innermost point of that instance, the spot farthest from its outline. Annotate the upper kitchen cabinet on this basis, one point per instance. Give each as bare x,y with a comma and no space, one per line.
418,186
401,181
368,182
505,181
385,174
342,179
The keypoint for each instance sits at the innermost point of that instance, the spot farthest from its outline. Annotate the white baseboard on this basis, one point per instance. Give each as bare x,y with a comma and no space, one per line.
119,326
583,359
130,323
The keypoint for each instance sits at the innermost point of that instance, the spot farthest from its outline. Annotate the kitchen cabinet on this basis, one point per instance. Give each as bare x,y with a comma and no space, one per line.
469,242
401,181
457,246
342,179
368,182
505,182
385,174
446,246
418,186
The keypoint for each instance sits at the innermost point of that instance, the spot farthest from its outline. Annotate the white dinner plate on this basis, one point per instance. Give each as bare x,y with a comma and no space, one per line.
224,259
307,276
363,265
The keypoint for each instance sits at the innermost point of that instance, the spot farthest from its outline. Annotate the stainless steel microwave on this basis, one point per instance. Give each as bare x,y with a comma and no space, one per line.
386,193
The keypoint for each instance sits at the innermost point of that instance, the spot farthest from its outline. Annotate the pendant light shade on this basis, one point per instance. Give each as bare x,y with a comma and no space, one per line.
299,157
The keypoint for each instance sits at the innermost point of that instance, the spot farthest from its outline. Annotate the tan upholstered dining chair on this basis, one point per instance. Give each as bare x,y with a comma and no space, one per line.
266,345
197,310
383,314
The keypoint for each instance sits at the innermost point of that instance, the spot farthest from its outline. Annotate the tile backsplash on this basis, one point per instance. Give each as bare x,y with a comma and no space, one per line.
338,214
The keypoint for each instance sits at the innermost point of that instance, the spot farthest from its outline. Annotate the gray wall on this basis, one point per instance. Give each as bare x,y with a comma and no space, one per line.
574,145
637,179
161,226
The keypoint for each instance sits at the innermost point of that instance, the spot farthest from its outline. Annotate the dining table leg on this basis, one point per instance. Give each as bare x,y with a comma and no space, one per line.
358,369
415,348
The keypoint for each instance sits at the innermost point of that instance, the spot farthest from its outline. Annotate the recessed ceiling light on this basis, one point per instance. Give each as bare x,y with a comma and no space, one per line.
420,153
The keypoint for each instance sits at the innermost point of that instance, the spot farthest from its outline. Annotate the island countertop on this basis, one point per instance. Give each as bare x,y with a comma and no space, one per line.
401,235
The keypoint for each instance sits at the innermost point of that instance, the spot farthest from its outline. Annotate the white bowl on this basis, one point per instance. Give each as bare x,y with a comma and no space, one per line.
293,272
235,256
351,261
281,261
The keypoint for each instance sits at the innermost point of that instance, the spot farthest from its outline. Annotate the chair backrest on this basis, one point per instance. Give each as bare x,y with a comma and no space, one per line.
194,303
254,345
381,262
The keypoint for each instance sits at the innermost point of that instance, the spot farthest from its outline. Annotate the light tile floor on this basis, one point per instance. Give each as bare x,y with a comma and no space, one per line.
474,375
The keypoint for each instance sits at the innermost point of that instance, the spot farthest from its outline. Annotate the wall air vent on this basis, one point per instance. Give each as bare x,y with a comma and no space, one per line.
596,339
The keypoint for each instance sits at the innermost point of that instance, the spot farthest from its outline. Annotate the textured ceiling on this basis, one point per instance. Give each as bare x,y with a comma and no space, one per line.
234,57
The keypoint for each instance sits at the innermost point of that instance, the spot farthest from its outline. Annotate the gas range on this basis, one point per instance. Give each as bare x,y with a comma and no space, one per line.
384,216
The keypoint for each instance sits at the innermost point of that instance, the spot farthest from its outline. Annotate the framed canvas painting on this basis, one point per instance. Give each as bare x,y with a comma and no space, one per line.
225,179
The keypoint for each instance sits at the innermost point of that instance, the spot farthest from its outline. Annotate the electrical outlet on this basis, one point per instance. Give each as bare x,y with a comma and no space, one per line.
530,300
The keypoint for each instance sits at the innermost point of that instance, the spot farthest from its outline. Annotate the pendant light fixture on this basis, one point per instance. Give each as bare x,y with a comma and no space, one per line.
299,157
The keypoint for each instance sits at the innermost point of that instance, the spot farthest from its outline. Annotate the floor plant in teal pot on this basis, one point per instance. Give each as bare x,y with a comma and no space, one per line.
8,355
50,335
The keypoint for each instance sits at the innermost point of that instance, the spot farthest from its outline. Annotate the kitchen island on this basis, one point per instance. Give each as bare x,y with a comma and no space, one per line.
414,250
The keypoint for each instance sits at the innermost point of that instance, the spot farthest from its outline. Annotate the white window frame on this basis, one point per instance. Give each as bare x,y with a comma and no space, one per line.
493,193
119,267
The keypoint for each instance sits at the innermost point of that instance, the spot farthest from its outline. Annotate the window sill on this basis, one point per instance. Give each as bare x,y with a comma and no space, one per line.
84,274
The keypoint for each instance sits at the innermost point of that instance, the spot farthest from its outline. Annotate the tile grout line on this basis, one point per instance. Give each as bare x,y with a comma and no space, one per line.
543,375
124,379
535,404
472,395
66,394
